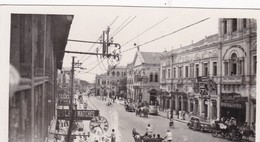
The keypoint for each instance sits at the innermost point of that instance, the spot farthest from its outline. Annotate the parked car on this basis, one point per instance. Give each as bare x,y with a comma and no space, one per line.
153,109
130,107
195,123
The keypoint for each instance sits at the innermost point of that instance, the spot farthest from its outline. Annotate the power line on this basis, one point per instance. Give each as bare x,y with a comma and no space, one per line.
98,40
145,31
166,35
123,27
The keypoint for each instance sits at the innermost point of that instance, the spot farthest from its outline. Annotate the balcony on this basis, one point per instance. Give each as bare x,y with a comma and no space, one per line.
232,79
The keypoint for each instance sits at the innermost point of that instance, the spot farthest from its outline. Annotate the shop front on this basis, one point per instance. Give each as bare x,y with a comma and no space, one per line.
233,105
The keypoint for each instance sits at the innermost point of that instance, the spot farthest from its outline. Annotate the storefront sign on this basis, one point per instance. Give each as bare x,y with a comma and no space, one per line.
64,102
79,115
232,100
231,105
202,79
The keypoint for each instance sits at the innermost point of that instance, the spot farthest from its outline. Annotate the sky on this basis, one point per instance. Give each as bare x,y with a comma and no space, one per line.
145,24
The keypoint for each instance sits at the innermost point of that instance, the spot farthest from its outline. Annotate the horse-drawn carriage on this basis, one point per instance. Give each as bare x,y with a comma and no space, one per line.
229,132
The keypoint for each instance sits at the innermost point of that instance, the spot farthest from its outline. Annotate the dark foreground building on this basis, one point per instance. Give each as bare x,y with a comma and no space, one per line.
36,51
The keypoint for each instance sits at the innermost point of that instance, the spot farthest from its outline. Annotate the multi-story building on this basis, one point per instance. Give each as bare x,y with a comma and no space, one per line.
130,79
108,84
37,50
215,76
143,82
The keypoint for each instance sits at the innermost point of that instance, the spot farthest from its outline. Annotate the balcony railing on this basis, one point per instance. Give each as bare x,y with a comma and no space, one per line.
232,79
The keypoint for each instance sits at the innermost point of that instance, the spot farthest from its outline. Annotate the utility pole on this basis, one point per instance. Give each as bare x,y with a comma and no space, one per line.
71,100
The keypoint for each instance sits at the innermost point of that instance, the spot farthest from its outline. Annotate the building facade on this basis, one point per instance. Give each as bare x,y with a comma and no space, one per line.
109,84
215,76
143,80
37,45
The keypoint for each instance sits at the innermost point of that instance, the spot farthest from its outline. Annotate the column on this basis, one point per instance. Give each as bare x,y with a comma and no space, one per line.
176,103
182,103
201,106
189,105
209,109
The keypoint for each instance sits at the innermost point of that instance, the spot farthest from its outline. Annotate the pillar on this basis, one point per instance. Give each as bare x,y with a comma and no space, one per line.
176,103
182,103
201,106
209,109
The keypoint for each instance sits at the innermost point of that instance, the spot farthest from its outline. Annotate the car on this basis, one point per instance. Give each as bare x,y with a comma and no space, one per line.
153,109
195,123
130,107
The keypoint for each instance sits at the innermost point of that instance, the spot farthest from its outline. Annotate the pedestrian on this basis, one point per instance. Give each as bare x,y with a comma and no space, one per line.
149,130
168,136
180,114
171,113
113,136
183,115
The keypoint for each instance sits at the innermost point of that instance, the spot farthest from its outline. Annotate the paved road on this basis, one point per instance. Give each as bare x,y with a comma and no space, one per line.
123,122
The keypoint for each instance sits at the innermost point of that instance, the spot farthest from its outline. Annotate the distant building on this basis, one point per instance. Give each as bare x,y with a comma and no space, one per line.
36,51
143,81
216,75
108,84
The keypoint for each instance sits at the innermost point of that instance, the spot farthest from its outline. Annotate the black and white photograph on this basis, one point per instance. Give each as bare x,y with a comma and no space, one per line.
111,73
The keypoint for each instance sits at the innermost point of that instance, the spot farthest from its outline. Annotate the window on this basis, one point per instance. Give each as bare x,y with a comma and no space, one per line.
244,23
186,71
163,74
118,73
151,77
108,73
156,77
225,26
180,72
169,73
226,68
254,65
113,73
234,25
215,68
205,69
233,64
174,72
197,70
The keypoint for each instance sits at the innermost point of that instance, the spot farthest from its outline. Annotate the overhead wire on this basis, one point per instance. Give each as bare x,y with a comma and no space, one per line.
163,36
123,27
98,40
144,31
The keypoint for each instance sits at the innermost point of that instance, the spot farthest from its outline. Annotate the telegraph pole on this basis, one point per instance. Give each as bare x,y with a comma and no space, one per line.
71,100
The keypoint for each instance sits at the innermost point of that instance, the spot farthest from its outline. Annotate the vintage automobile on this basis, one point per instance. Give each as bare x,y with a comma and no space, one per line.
197,124
153,109
130,107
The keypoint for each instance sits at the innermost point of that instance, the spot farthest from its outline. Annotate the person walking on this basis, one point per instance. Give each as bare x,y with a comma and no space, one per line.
149,130
168,136
113,136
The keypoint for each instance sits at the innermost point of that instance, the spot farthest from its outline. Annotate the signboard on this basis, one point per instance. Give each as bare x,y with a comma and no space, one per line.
64,96
79,115
202,79
232,100
64,102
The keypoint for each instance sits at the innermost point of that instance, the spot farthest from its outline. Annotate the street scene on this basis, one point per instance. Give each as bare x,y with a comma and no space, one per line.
132,75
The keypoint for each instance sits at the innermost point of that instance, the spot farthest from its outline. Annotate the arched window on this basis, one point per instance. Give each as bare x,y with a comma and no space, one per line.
234,64
156,77
118,73
151,77
113,73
